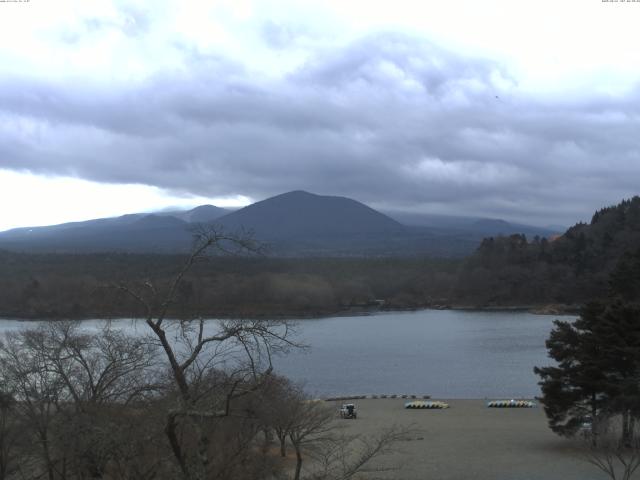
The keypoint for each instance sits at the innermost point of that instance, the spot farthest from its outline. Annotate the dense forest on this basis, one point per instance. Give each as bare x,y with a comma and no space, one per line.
570,269
83,286
504,271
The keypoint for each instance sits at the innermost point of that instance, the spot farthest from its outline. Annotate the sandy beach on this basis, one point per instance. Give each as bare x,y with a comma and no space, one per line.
470,441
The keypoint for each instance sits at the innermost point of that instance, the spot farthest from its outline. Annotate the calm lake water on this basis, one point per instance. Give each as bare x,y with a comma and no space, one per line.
443,353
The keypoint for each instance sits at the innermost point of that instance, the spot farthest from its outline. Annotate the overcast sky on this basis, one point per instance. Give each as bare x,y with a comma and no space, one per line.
522,110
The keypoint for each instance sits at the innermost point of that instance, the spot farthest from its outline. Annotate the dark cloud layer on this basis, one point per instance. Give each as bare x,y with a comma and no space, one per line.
391,120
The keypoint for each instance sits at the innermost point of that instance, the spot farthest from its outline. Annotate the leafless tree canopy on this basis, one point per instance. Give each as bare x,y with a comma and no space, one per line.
189,398
70,393
611,449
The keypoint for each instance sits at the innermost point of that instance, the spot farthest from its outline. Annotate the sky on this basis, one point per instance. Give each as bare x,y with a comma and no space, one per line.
527,111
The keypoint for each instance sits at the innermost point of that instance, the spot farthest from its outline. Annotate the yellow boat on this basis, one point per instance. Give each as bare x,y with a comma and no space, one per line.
427,405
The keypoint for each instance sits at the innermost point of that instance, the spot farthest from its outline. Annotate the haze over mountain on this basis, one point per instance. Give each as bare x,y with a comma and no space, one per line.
293,223
201,214
481,225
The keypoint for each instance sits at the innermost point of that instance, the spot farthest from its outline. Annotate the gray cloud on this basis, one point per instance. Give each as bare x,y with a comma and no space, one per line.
390,120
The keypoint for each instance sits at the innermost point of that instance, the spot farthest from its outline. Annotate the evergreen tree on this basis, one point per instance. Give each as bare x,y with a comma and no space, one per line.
624,281
598,368
619,330
576,389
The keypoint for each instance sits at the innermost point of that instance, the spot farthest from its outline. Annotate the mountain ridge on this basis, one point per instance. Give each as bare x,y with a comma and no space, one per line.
293,223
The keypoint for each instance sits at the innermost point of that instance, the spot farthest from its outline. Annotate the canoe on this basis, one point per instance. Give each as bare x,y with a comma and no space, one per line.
511,404
427,405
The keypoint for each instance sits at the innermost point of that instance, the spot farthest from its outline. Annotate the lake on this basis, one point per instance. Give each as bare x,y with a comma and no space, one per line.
442,353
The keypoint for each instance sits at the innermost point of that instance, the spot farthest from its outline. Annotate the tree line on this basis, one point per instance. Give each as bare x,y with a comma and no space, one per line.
570,269
72,286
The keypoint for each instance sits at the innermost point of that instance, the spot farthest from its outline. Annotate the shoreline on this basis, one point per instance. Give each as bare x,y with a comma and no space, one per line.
541,309
395,396
469,440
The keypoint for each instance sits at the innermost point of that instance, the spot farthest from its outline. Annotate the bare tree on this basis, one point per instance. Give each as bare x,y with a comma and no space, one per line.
312,429
615,453
67,384
9,434
104,367
193,348
310,425
346,456
279,405
38,396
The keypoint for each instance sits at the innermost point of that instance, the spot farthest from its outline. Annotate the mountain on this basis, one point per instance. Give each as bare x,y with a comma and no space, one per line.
300,223
130,233
491,226
296,223
161,232
201,214
204,214
301,214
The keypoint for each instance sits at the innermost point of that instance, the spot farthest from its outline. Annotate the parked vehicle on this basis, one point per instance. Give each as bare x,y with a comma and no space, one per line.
348,410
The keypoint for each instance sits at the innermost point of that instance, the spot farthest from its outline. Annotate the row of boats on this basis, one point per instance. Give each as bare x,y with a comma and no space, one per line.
436,404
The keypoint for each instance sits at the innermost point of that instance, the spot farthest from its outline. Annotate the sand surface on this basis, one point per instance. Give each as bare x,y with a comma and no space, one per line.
470,441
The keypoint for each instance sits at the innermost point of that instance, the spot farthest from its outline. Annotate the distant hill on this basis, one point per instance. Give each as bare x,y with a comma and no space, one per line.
492,226
477,226
161,232
201,214
130,233
296,223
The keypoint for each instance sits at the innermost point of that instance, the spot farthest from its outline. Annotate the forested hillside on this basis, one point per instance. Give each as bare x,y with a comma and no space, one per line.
572,268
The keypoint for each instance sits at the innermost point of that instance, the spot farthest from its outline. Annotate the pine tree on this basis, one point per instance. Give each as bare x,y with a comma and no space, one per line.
576,389
624,281
619,329
598,369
